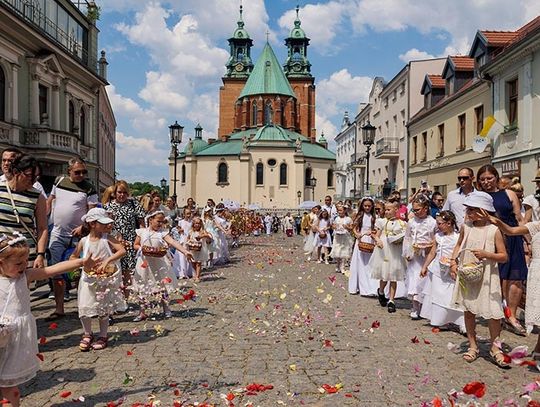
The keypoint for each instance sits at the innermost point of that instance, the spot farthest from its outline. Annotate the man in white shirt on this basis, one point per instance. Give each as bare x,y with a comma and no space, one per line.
532,203
455,198
329,207
73,195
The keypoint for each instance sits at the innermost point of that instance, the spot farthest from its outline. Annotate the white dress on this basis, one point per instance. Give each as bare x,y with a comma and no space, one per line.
221,255
181,265
360,280
211,228
309,241
437,304
388,264
99,297
18,360
532,304
416,245
199,256
153,275
343,242
326,241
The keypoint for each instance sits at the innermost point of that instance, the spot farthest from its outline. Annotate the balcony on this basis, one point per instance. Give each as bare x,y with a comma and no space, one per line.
358,160
387,147
55,143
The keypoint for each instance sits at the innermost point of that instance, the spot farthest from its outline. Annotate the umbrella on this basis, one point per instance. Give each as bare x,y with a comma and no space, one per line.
254,207
307,205
231,205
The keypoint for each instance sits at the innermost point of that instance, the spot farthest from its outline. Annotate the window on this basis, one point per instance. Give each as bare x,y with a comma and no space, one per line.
259,176
223,176
441,140
268,113
449,85
82,127
43,101
254,113
3,88
71,117
479,117
283,174
307,177
183,174
415,150
330,178
512,101
424,146
461,132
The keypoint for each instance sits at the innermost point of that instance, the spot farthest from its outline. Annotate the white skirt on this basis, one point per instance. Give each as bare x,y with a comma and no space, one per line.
415,283
360,280
387,264
342,246
309,243
100,297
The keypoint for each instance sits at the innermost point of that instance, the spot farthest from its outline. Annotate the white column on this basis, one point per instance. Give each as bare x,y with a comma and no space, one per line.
34,101
55,119
15,93
91,137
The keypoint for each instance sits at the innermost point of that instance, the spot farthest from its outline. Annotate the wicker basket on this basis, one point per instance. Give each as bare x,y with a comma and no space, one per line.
150,251
366,247
108,272
471,272
194,246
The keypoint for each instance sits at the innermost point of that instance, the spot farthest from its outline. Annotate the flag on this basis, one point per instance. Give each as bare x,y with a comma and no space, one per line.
492,128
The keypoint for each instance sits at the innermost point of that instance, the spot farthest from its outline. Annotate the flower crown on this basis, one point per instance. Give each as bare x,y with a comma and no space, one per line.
17,238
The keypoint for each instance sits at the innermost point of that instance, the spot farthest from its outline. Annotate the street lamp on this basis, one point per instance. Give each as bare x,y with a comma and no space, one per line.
313,183
368,138
163,184
299,195
175,134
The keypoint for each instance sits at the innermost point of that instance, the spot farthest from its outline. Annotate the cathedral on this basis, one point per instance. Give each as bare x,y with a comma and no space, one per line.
267,153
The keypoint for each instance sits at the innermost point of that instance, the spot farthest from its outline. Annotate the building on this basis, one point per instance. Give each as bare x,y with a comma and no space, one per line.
267,153
50,82
106,140
510,62
348,159
441,133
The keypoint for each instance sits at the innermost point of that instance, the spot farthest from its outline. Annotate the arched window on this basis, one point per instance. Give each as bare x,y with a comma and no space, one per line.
3,88
307,177
183,174
268,113
282,104
223,173
71,117
330,178
259,176
283,174
254,113
82,127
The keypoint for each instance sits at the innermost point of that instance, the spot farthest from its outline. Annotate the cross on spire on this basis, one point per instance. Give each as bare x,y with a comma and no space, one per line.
267,34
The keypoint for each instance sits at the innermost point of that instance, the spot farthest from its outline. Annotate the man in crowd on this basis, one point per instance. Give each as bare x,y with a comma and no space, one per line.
71,197
532,203
455,198
436,203
8,156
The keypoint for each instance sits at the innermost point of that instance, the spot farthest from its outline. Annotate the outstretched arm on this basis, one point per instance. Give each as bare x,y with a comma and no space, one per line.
59,268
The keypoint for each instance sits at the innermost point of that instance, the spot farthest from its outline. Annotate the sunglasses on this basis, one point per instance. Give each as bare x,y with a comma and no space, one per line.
463,178
81,172
417,210
440,200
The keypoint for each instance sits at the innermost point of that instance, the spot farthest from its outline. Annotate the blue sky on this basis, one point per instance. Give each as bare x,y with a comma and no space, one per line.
167,58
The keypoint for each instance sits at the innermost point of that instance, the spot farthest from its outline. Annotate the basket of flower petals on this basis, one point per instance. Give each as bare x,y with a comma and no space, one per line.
194,246
154,251
102,273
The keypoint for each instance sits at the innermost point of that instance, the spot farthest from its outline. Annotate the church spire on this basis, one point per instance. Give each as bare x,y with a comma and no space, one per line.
240,64
297,64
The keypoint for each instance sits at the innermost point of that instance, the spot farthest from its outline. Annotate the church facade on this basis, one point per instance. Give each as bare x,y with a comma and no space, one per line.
267,152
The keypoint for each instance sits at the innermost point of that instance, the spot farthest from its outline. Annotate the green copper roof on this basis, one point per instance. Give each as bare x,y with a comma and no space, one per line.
240,31
297,32
271,133
197,144
314,150
231,147
267,77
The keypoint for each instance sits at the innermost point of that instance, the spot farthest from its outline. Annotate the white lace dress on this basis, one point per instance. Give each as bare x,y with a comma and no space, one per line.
18,359
388,264
343,242
199,256
532,305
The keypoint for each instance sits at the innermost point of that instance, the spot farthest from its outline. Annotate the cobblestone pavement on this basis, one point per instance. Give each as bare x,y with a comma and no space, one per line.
267,318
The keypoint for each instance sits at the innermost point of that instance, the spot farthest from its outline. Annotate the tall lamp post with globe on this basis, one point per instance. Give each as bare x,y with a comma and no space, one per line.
368,138
175,134
163,184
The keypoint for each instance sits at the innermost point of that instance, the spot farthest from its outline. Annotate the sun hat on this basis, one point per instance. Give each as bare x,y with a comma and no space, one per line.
480,199
537,178
97,214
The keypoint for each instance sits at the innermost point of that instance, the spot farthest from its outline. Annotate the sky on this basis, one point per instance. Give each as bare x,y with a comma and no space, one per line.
167,58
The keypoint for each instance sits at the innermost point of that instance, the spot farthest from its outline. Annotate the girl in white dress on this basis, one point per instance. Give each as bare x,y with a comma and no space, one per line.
185,268
360,281
437,304
210,227
18,335
309,241
323,240
222,245
387,263
197,243
154,279
100,293
342,245
417,243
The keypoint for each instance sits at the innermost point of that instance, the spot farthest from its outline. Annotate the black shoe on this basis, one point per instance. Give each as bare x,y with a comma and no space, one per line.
391,307
382,298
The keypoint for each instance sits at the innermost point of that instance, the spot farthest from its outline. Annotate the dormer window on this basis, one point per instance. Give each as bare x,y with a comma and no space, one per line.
449,86
479,61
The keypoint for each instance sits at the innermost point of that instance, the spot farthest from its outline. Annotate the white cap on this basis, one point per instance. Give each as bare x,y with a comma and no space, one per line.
480,199
97,214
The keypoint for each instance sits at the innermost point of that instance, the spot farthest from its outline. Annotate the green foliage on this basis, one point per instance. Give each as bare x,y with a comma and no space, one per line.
141,188
93,12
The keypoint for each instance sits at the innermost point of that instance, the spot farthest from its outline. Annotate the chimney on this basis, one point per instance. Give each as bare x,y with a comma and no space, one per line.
102,71
211,140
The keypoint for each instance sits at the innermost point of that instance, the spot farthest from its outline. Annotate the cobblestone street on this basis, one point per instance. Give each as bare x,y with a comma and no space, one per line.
272,319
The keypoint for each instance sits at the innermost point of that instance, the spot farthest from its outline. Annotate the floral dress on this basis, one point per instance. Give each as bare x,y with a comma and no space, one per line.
126,220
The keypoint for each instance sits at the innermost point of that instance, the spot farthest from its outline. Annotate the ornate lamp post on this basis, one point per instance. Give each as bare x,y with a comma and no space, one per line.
368,138
175,134
313,184
299,195
163,184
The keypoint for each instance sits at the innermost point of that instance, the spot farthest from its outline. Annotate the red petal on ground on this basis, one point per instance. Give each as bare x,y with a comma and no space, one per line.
40,356
437,402
176,392
42,340
230,396
415,339
129,353
177,404
53,325
65,394
348,395
435,330
478,389
204,384
533,403
375,324
528,363
327,343
427,342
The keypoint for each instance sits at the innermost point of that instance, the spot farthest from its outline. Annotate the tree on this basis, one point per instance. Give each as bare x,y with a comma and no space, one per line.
141,188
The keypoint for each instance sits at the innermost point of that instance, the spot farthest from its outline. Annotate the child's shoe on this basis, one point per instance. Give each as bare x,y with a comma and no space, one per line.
168,314
382,298
100,344
414,315
319,261
326,261
391,307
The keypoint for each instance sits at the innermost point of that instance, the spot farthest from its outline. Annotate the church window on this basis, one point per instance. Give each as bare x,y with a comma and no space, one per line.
268,113
297,54
330,178
307,177
282,104
3,88
183,174
240,54
272,162
283,174
259,174
223,173
254,113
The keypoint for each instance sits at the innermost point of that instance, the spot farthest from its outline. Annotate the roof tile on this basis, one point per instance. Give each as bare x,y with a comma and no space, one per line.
463,63
437,81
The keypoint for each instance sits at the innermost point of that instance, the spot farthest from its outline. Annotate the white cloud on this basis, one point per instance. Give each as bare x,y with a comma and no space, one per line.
415,54
321,22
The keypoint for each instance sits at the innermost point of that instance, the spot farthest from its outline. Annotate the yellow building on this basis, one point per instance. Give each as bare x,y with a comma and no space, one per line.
441,133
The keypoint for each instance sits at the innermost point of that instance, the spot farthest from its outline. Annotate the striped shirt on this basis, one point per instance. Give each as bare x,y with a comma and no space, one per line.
25,202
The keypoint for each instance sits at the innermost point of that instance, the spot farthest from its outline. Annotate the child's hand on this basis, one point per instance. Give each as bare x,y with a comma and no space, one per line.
453,271
480,254
90,263
423,272
189,256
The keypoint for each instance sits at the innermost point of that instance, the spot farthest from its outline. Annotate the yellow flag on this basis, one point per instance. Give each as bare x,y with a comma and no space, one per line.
488,123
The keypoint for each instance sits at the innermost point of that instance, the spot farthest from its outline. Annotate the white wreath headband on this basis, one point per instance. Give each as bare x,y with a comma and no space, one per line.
17,238
151,215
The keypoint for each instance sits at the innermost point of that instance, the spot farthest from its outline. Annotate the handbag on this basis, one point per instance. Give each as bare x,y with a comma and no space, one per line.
6,326
472,271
